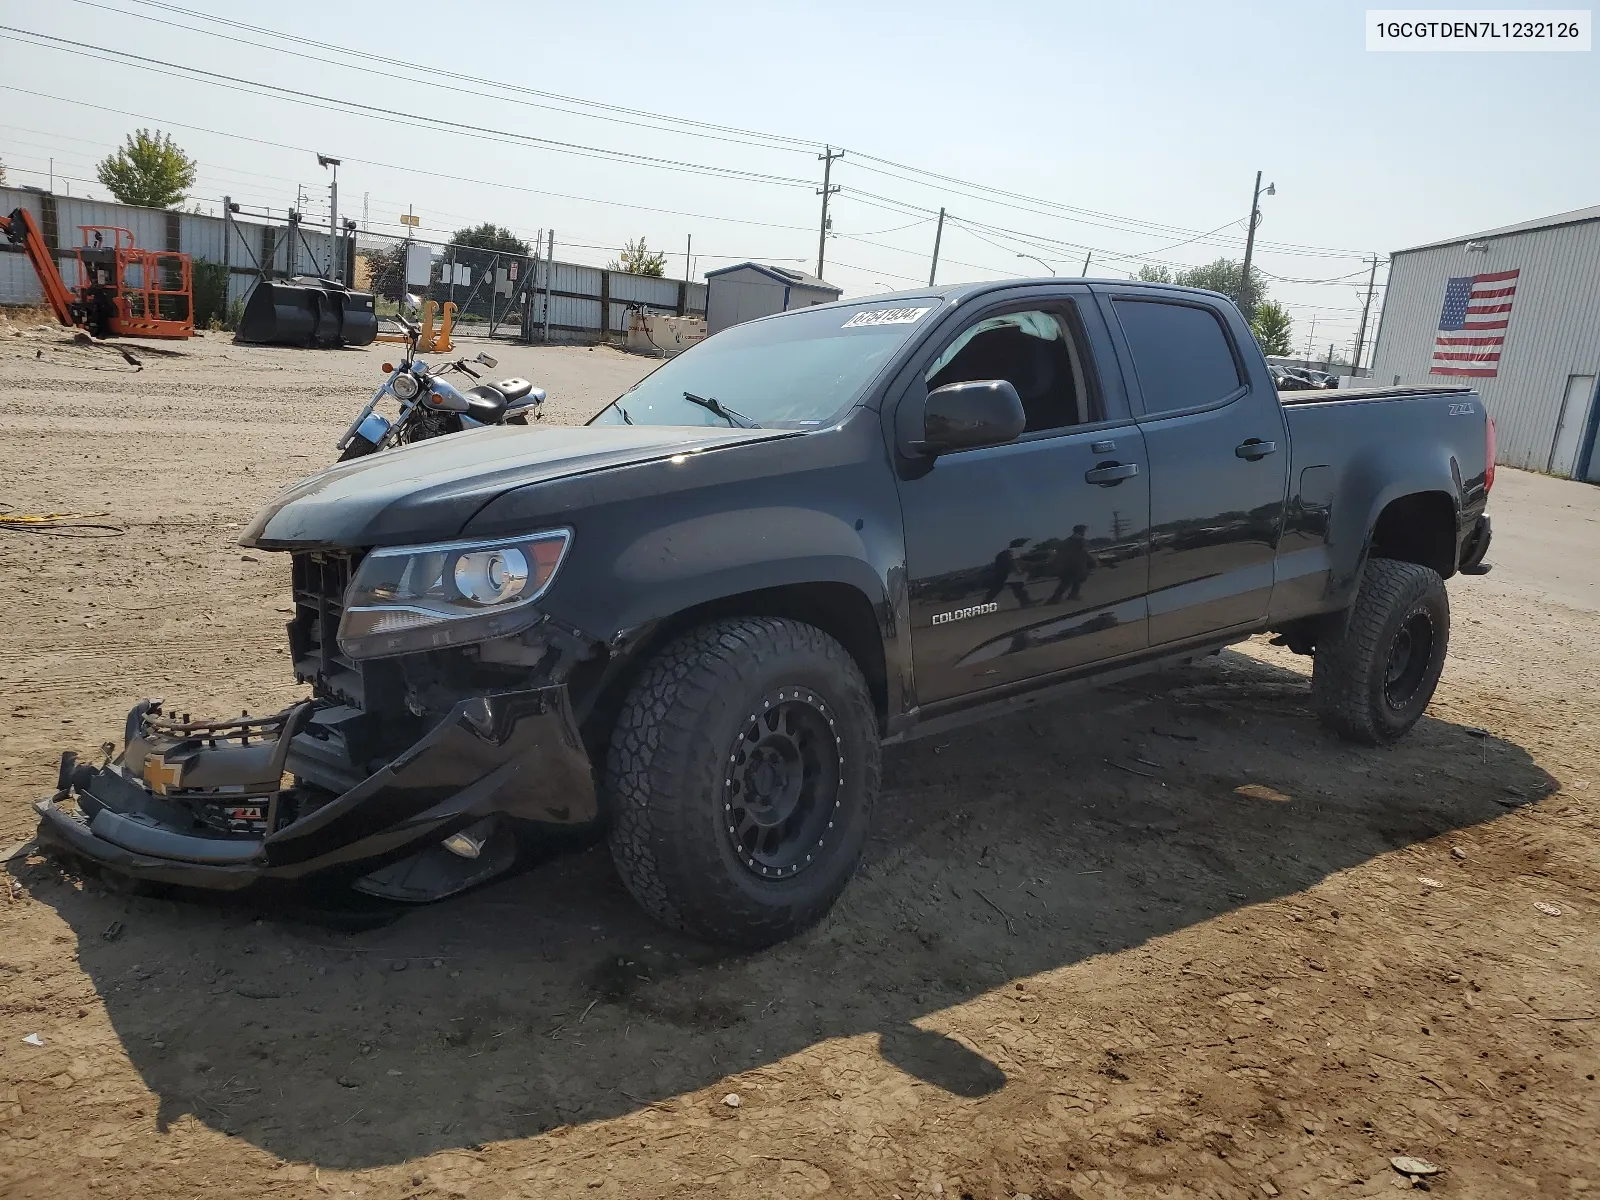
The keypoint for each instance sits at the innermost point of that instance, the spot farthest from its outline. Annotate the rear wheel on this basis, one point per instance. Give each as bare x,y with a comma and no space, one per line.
741,775
1373,683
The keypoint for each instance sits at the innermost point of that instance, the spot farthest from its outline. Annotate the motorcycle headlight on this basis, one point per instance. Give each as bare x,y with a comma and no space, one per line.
409,598
405,386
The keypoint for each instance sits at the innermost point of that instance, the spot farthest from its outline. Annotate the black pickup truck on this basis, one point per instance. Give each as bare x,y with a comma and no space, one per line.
695,621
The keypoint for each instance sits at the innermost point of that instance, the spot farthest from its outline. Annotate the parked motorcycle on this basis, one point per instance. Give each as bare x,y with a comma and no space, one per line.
431,406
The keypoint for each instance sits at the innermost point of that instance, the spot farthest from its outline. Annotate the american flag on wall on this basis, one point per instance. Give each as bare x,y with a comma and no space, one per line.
1472,327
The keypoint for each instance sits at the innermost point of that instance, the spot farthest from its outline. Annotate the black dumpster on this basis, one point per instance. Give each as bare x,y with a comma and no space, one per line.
306,311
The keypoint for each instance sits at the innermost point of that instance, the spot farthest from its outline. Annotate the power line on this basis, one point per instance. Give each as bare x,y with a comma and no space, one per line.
1149,225
396,166
387,62
390,116
691,127
394,70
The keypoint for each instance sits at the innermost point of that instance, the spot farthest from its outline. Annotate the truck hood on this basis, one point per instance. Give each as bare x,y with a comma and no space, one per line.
429,491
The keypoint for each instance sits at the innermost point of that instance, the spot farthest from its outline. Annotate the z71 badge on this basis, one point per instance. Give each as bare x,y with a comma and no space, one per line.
961,614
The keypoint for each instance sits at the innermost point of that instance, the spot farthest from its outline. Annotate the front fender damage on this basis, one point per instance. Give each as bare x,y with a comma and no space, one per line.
202,804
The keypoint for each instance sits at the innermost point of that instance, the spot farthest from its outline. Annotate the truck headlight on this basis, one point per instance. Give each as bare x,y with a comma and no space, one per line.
409,598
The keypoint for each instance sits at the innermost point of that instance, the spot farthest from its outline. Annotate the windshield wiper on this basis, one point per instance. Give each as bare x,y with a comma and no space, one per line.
626,419
722,410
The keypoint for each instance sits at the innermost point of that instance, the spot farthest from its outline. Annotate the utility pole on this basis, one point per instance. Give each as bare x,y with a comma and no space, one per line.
366,223
333,216
1361,332
549,273
1086,259
688,256
1311,337
1246,298
826,191
938,235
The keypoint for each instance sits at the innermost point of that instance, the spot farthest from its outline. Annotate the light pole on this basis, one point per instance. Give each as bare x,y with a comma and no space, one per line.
333,213
1040,261
1246,298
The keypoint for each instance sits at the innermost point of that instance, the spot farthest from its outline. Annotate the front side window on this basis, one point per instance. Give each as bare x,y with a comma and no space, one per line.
799,370
1037,352
1180,353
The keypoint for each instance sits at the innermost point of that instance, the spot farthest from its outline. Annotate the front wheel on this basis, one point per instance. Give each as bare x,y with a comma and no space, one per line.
741,776
1372,683
359,447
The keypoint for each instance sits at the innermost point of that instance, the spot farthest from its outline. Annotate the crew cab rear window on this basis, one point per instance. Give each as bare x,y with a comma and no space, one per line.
1180,353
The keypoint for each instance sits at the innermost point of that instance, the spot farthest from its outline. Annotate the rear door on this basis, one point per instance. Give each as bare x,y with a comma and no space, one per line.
1028,558
1219,460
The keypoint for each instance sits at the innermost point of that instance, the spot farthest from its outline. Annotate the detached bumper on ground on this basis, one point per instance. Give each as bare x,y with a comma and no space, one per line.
202,803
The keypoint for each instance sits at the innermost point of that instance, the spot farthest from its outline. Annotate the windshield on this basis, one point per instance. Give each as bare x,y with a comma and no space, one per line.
795,371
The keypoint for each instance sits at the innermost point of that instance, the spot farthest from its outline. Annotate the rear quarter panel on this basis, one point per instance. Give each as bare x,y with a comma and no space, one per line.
1350,458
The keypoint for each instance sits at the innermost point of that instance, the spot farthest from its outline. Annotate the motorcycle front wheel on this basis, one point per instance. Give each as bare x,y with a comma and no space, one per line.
359,447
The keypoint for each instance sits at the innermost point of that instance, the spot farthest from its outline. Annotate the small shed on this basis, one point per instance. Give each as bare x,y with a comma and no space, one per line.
751,290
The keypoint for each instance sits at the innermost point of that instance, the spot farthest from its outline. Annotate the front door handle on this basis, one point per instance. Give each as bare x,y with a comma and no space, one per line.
1111,474
1254,448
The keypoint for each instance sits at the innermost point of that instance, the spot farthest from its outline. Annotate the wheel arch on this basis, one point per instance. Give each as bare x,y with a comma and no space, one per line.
1418,527
841,610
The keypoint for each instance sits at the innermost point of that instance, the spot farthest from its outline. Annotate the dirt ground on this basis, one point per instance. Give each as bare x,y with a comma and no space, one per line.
1172,941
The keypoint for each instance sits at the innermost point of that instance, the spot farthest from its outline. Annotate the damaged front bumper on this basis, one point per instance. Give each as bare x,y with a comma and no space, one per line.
203,803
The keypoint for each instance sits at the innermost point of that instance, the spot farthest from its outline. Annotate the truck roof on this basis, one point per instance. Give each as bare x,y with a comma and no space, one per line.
958,292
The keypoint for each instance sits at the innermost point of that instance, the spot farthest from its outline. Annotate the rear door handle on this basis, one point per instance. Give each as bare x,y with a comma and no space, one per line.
1111,474
1254,448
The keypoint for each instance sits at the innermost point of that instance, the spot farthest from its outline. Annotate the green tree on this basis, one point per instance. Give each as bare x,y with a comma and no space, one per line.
1220,276
639,259
388,267
1224,276
1273,327
208,286
489,236
149,170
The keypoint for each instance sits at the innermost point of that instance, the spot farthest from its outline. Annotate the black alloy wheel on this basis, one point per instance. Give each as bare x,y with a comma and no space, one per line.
1410,654
785,776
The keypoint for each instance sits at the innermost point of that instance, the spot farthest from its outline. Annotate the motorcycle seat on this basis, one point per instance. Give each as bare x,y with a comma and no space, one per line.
485,405
511,389
532,398
490,403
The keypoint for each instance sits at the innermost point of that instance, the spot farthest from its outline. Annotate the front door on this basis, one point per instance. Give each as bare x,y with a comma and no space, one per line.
1031,557
1219,464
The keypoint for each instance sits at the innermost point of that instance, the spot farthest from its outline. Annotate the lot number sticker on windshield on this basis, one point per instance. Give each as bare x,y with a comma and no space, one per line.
887,316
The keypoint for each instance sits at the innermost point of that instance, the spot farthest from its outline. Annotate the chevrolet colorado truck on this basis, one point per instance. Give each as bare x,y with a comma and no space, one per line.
694,622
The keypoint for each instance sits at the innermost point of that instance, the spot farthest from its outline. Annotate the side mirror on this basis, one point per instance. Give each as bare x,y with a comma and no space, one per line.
961,416
487,360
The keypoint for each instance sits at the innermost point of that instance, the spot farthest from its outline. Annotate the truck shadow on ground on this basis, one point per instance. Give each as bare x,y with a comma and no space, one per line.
1000,851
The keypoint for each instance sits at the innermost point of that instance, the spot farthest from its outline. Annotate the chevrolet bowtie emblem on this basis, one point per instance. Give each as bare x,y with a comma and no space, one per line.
161,775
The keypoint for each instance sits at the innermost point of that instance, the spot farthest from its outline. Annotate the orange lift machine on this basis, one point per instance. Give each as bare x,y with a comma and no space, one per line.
122,290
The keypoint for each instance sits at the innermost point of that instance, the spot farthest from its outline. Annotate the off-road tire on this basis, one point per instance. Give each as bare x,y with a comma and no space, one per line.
666,771
1350,685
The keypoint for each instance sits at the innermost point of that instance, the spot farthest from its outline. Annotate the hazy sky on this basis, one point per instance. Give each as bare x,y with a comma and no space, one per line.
1155,116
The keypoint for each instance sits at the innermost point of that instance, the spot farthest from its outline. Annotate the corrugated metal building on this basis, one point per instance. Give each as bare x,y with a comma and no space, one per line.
751,290
1529,294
